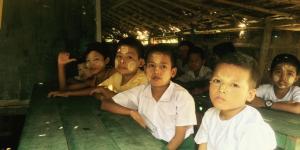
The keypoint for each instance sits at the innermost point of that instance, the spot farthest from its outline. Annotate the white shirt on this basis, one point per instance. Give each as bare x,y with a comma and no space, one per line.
175,108
204,73
266,92
245,131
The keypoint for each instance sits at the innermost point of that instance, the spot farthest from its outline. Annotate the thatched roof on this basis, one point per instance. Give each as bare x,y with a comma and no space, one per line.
197,16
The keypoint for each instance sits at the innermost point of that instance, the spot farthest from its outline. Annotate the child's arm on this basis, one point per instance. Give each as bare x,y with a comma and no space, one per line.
104,92
83,92
287,106
62,60
202,146
283,106
77,86
257,102
113,107
177,140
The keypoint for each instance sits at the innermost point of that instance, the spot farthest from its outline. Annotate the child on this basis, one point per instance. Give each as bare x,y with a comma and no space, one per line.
281,94
183,51
197,73
231,124
97,57
129,59
226,48
166,108
83,72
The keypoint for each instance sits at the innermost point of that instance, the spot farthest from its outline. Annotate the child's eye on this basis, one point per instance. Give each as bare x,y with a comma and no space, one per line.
277,72
215,81
150,65
130,57
164,66
291,74
235,85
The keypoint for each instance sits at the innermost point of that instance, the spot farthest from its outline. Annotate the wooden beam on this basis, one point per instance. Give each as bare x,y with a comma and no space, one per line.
161,15
217,31
1,12
160,7
134,19
98,20
120,4
14,103
255,8
179,6
140,13
265,47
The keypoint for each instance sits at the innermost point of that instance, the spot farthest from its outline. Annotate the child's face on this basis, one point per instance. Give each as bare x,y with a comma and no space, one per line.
95,62
230,87
159,69
284,75
127,60
183,51
83,72
195,62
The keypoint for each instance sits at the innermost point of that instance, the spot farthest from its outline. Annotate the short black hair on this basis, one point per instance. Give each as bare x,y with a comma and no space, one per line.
161,49
224,49
197,50
186,43
134,43
242,61
101,48
285,58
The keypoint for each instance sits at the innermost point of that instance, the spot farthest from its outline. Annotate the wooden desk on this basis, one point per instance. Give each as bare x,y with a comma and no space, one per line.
77,124
286,127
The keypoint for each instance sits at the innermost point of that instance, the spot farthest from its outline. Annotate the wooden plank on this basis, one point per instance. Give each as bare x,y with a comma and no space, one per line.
1,12
82,128
98,20
128,134
286,126
43,126
265,47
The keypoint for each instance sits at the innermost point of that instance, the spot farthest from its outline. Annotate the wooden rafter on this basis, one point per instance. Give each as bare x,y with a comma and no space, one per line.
255,8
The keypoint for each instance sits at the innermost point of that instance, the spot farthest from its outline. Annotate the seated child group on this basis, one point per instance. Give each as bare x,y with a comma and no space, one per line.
157,86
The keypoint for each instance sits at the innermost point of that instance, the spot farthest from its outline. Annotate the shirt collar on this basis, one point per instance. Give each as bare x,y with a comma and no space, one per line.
166,95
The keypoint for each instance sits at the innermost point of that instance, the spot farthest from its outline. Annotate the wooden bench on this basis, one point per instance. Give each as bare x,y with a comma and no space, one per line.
286,127
77,123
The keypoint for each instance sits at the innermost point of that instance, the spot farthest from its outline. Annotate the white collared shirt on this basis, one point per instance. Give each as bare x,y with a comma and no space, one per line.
204,73
245,131
175,108
266,92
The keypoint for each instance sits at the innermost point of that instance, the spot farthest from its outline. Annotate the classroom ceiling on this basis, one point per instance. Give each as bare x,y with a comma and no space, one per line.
163,17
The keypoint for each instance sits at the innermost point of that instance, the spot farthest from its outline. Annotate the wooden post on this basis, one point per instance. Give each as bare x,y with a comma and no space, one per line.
1,10
265,46
98,20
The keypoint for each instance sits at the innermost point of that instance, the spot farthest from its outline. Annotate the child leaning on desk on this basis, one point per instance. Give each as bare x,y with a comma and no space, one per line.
282,94
164,107
129,59
231,124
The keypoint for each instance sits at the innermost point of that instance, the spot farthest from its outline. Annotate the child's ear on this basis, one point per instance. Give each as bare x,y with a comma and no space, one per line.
106,61
297,78
251,95
141,62
173,72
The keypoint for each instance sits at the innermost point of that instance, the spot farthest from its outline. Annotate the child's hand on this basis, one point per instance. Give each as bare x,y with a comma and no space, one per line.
258,103
64,58
57,94
138,118
97,90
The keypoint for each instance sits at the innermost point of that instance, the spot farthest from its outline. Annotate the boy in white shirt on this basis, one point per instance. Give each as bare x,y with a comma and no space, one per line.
164,107
281,94
196,78
231,124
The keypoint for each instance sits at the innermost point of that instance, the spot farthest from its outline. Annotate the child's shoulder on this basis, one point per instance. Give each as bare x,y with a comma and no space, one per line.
178,89
265,87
